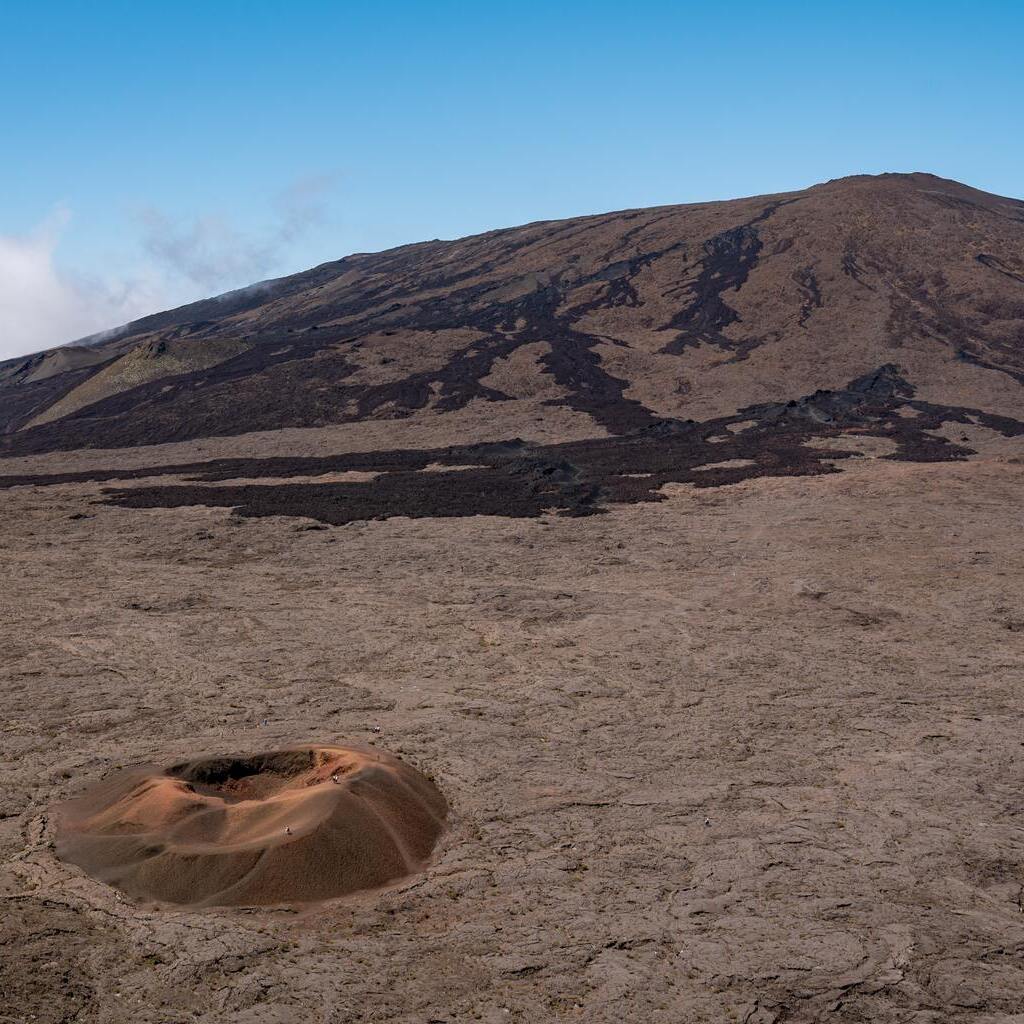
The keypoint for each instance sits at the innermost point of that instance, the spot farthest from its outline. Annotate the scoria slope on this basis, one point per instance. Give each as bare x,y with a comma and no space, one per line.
630,318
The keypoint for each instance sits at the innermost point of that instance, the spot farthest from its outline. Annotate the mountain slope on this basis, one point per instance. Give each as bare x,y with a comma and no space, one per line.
631,318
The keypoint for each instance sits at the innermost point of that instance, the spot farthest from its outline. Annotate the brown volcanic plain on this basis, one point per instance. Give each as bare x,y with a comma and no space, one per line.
680,547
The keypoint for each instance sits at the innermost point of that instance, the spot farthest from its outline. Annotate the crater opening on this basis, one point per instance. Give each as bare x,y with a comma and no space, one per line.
261,775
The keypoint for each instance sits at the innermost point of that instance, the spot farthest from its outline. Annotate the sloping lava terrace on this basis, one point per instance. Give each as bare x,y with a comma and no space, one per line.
517,479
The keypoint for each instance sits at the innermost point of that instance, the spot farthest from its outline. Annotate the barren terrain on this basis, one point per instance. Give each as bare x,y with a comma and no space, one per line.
680,549
826,668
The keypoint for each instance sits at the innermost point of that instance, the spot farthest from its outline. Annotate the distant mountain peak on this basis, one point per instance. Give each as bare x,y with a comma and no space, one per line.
622,320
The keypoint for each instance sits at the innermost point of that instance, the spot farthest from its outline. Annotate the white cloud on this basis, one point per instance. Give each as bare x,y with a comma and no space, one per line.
42,306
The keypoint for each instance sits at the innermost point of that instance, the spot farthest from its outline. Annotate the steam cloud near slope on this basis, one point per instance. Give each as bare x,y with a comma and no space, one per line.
213,255
43,304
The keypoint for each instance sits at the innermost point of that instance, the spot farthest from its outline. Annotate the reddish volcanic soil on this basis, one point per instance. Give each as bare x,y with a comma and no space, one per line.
291,826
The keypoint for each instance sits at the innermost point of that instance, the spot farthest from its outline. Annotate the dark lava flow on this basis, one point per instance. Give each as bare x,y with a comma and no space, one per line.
513,478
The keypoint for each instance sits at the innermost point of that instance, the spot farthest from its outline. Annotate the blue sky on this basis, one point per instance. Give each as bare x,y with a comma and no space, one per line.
156,152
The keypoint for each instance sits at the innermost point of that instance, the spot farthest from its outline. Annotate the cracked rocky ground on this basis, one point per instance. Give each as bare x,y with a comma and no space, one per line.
749,754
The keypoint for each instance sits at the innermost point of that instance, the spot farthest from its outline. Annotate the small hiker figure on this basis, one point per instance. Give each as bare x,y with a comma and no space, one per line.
287,830
336,779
